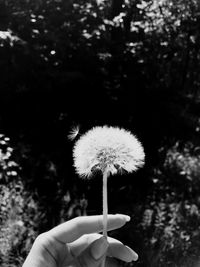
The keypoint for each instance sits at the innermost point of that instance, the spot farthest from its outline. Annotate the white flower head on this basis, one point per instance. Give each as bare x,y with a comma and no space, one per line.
107,148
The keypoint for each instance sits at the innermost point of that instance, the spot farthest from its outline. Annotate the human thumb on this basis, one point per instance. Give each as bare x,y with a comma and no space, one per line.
94,254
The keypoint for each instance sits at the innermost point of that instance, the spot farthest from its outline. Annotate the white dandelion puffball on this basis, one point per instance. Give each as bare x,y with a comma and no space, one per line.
107,148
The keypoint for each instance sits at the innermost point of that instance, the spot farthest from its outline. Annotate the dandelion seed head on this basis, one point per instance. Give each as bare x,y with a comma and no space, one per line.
109,148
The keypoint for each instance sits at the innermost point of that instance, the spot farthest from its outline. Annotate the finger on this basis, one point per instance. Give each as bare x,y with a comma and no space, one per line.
120,251
116,248
75,228
93,255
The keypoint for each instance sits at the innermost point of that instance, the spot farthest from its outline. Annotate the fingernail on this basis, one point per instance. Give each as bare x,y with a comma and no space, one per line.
126,217
99,248
135,257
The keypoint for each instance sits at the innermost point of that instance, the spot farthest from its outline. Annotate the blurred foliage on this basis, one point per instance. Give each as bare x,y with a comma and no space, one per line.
19,212
122,62
171,219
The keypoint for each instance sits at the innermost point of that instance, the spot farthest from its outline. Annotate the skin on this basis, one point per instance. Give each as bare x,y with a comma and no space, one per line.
76,243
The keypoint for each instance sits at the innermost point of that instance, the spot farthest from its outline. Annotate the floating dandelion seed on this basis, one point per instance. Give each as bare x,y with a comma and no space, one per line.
73,132
109,150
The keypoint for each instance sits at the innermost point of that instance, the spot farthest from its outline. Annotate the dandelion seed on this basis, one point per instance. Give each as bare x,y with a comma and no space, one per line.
109,150
73,132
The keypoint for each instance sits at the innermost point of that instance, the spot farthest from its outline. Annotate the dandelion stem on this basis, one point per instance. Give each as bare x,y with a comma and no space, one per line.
105,203
105,207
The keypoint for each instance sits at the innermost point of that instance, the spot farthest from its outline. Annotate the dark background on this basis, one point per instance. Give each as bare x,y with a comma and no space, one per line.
132,64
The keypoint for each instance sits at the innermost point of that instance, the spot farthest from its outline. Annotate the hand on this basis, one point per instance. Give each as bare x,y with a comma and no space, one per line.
76,244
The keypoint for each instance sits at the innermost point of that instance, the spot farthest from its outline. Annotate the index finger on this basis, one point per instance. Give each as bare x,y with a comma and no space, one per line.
70,231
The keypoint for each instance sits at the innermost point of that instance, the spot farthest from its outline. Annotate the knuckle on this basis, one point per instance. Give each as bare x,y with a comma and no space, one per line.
78,224
41,239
